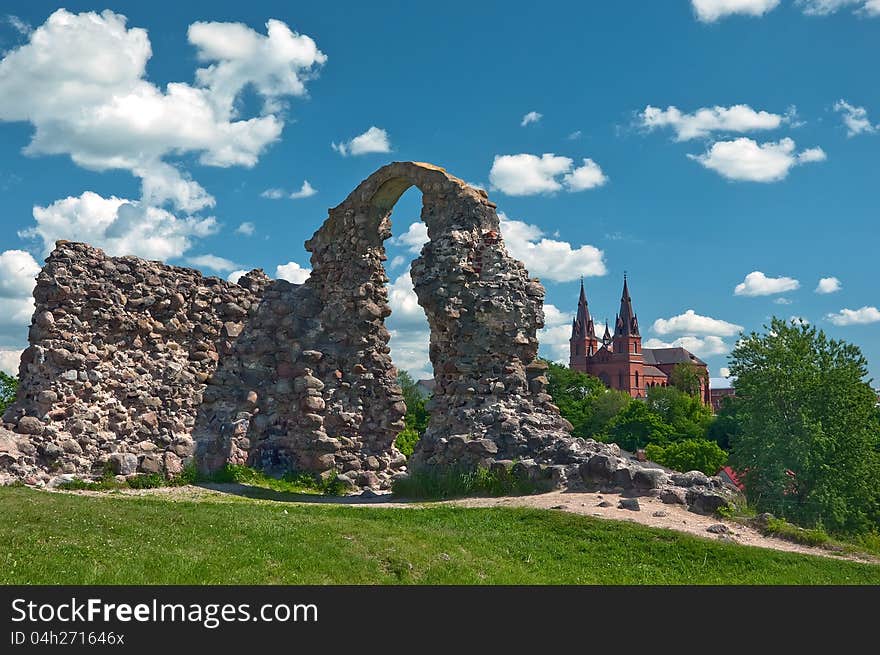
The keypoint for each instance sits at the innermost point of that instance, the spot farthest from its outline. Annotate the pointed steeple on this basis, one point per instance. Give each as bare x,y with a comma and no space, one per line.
627,323
606,338
583,323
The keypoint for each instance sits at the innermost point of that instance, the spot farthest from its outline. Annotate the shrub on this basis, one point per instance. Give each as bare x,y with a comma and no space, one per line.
785,530
103,484
406,441
150,481
689,455
289,482
451,482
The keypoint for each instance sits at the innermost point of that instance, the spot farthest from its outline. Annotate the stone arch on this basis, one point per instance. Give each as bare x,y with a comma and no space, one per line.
328,399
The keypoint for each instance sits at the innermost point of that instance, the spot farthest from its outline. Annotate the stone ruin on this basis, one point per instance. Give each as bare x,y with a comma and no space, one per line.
141,367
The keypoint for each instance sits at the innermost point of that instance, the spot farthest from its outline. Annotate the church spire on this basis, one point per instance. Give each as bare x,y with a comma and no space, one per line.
606,338
627,323
583,323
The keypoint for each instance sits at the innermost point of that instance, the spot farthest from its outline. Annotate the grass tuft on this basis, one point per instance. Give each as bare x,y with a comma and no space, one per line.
784,530
442,483
297,483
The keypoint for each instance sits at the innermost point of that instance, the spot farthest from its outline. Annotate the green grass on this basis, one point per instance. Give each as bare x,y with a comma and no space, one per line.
860,544
292,483
48,538
442,483
785,530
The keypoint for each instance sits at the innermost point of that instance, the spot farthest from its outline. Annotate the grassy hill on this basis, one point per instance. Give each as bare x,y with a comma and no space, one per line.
63,538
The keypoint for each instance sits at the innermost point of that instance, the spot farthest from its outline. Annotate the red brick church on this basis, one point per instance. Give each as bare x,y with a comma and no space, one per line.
619,360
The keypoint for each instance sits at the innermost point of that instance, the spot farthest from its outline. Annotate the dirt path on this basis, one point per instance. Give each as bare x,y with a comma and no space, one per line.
652,512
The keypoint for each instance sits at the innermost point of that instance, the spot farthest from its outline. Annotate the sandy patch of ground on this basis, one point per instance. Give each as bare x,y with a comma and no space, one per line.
653,512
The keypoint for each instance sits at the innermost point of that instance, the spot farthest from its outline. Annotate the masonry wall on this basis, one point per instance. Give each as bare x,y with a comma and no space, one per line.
121,354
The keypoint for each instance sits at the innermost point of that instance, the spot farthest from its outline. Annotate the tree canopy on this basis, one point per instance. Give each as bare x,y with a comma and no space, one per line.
809,435
688,378
417,416
8,388
584,400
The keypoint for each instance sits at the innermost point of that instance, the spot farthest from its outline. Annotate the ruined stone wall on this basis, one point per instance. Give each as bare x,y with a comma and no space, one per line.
142,367
120,356
323,390
139,364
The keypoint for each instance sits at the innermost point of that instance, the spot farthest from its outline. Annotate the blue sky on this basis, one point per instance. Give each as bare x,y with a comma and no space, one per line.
691,144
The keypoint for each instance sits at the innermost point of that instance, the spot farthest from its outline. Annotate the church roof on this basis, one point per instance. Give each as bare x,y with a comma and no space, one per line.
670,356
653,371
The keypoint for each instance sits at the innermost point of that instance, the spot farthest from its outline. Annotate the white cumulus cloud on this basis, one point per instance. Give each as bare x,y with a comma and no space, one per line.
118,226
292,272
724,372
526,174
18,272
213,263
531,117
305,191
9,361
855,118
859,316
373,140
828,285
707,120
692,323
827,7
81,82
410,334
709,11
744,159
247,228
758,284
587,176
414,238
550,259
554,336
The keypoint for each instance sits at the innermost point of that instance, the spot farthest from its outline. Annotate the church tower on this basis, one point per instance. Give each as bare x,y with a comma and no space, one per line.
627,347
583,342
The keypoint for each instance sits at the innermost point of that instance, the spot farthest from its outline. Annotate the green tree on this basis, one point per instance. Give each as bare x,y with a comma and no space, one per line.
727,424
417,416
688,377
8,388
686,414
606,406
636,426
583,400
689,455
809,437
